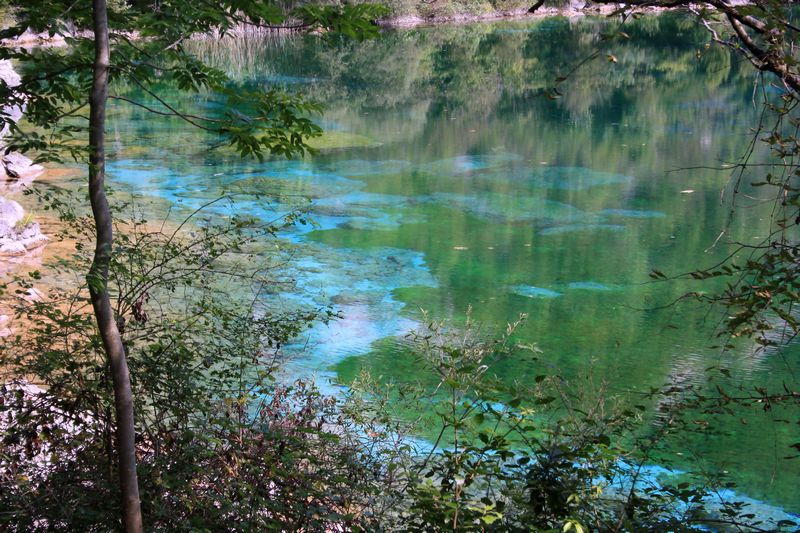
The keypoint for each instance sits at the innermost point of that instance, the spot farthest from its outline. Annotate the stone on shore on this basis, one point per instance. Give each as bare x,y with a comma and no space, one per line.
19,167
16,165
11,79
16,236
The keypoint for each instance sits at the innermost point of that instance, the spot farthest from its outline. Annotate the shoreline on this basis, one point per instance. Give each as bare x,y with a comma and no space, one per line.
410,22
572,9
29,39
523,13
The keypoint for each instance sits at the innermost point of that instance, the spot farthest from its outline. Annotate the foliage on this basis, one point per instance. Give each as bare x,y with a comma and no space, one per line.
141,42
220,444
212,449
148,43
546,455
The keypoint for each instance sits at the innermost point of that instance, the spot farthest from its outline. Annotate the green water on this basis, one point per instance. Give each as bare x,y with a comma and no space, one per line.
447,178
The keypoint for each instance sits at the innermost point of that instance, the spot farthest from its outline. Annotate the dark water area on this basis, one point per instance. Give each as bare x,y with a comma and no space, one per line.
447,178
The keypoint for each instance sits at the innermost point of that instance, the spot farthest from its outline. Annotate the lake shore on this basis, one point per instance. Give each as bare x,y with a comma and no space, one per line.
521,13
422,15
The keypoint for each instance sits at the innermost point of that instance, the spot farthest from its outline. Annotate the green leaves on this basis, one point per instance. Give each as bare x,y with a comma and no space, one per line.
356,21
148,50
191,74
272,122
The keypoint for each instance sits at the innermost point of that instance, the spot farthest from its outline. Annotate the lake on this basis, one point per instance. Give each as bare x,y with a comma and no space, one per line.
450,174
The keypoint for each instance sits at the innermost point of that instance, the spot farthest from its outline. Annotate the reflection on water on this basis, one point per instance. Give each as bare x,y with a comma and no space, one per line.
452,181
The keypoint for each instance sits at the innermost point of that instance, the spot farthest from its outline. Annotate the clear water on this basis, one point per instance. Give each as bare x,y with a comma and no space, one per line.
449,179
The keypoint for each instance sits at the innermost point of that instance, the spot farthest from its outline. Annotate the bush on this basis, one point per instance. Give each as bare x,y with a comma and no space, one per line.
220,445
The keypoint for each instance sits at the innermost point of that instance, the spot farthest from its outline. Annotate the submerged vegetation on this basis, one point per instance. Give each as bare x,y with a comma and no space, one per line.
460,428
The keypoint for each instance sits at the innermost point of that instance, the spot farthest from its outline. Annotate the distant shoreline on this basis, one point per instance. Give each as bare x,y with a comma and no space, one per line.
410,21
391,22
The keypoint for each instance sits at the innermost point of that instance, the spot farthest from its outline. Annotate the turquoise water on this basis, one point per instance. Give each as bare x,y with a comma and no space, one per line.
447,179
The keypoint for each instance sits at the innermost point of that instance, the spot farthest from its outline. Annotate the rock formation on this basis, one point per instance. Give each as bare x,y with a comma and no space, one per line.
15,165
17,235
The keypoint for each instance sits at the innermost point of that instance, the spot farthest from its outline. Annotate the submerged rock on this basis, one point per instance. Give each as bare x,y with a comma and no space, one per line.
510,208
575,178
572,228
535,292
467,164
591,286
632,213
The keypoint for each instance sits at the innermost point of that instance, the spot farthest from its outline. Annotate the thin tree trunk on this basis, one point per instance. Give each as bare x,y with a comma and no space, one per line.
98,278
536,6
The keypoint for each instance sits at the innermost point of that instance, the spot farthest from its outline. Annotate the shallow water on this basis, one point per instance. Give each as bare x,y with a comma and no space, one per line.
454,181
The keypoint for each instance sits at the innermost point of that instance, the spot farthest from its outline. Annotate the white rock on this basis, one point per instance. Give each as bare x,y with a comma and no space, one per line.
12,79
35,242
7,73
10,212
31,231
9,247
32,295
20,167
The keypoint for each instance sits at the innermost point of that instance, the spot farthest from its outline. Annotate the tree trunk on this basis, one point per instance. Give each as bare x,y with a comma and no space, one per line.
98,278
536,6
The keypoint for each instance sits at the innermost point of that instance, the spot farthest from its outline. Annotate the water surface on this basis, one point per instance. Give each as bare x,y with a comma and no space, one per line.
447,178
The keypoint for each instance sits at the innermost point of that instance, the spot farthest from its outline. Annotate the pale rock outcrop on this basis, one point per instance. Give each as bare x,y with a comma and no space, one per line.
16,165
19,167
9,77
17,237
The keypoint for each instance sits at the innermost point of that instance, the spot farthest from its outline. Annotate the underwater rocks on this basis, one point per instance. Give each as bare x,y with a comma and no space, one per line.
509,208
574,178
573,228
535,292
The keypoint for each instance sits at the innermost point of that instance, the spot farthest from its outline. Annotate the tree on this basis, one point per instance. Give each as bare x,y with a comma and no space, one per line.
142,42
